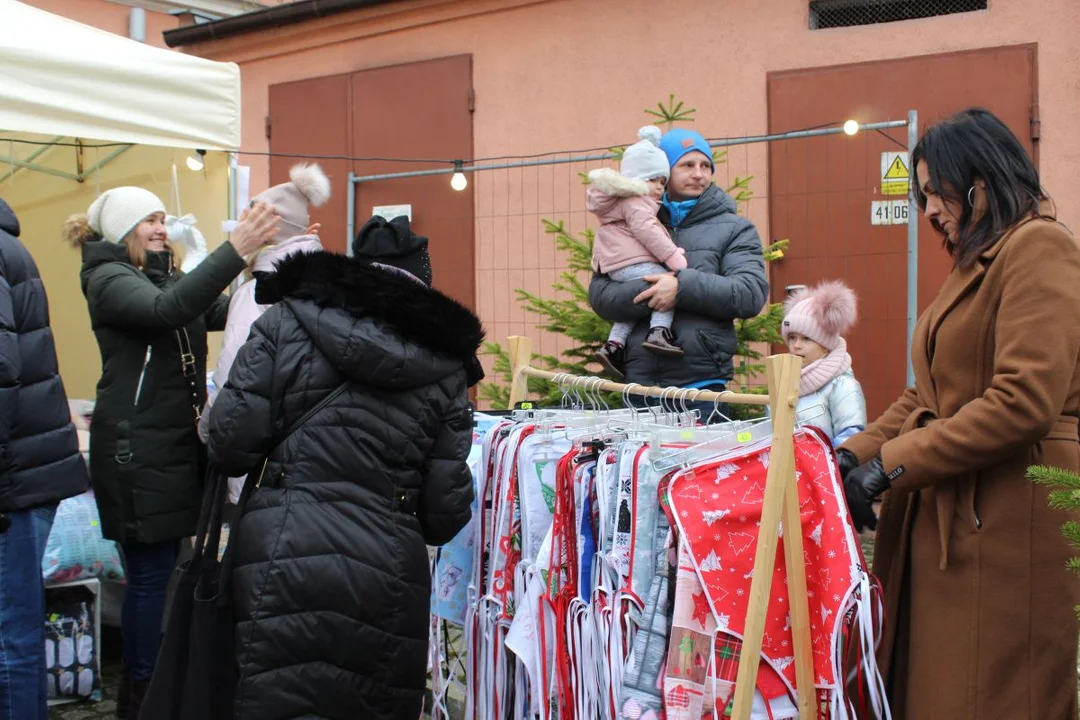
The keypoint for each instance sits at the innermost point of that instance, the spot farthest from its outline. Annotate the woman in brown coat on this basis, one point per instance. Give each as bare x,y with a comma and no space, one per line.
978,602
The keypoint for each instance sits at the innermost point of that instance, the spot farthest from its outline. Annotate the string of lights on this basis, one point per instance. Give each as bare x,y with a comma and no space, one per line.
850,127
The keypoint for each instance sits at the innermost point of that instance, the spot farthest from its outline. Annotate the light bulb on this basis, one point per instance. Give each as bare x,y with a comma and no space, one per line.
851,127
195,162
459,182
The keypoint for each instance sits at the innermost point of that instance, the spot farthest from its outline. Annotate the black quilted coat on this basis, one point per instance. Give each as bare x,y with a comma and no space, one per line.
146,462
331,584
40,462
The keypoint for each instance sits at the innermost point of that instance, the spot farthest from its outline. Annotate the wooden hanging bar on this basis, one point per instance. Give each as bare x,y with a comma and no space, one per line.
520,351
781,502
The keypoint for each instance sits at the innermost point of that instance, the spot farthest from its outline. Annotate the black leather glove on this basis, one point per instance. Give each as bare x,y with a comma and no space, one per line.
861,487
847,461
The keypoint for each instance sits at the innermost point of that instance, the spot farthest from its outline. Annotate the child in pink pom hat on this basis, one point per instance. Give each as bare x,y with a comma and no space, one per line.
830,398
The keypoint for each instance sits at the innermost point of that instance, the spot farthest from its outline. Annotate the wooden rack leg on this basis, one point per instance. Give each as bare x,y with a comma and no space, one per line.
781,495
796,577
520,350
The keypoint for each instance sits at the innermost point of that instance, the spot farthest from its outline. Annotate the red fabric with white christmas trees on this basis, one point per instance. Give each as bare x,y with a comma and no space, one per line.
717,507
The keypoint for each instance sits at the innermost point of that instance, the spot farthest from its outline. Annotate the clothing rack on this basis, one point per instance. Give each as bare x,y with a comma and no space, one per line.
781,499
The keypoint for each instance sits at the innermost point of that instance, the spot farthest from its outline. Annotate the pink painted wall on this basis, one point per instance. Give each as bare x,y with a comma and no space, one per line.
553,75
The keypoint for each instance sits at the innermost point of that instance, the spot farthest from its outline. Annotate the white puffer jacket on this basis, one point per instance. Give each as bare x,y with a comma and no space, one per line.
838,408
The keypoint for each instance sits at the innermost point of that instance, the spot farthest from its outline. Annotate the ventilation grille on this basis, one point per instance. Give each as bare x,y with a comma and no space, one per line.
847,13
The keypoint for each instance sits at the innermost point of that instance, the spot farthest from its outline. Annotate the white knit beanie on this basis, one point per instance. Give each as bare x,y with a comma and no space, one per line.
116,212
644,160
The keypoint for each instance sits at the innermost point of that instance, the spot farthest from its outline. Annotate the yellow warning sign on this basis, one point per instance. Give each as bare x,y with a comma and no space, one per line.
895,173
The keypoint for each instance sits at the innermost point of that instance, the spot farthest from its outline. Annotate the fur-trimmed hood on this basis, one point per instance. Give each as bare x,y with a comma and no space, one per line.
379,327
611,182
611,196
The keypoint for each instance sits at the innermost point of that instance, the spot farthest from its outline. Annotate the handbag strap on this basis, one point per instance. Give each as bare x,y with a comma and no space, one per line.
208,530
326,400
189,369
253,480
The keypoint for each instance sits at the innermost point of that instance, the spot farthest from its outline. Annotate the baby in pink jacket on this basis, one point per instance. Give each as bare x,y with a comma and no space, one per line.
631,243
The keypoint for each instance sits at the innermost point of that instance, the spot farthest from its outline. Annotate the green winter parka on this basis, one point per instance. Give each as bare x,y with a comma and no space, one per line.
146,461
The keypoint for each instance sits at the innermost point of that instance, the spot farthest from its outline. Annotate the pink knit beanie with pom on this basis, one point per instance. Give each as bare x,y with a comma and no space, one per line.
823,313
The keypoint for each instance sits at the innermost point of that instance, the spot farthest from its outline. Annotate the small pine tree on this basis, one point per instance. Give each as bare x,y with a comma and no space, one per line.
1065,496
574,318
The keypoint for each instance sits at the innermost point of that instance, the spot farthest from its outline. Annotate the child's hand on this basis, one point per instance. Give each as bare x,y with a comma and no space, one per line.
662,294
677,261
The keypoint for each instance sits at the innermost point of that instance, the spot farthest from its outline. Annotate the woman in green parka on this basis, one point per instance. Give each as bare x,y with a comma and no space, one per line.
146,461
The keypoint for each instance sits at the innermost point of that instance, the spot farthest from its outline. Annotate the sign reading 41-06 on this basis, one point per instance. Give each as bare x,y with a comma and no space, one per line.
889,212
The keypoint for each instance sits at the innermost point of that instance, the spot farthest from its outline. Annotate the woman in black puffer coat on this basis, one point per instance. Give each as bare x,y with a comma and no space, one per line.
331,584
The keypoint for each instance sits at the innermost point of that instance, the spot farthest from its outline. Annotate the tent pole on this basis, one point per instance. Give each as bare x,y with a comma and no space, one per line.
33,156
103,162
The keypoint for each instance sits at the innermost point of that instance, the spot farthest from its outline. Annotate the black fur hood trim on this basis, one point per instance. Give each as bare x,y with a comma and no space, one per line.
421,315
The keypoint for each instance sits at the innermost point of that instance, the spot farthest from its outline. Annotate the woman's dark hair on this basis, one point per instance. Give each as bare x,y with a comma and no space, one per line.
975,144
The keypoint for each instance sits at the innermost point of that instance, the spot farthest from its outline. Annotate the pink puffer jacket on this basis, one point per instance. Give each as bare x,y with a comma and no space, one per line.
629,232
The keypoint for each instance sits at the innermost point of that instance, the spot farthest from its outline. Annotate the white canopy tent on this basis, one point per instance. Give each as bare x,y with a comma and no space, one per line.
83,110
65,79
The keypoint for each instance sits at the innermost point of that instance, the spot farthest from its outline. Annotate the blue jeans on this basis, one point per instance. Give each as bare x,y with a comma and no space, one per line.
22,615
148,569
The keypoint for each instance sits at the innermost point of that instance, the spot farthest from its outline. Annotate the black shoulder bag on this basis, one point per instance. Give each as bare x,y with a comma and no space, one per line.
196,674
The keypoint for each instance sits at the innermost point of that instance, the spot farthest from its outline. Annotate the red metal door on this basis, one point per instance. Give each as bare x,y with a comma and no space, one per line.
821,189
311,117
421,111
414,111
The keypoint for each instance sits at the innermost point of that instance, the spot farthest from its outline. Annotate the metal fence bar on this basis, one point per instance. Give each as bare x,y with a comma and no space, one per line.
350,223
727,142
912,245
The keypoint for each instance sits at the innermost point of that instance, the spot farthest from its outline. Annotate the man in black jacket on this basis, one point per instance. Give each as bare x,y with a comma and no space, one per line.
725,279
40,465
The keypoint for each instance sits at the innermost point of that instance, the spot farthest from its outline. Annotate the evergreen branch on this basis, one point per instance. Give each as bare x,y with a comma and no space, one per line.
740,190
672,113
1071,530
1064,499
1053,476
775,251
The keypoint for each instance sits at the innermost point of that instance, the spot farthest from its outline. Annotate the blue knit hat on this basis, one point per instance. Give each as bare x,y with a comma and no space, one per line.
678,141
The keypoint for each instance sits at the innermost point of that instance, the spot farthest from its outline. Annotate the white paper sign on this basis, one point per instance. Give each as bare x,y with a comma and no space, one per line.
389,212
889,212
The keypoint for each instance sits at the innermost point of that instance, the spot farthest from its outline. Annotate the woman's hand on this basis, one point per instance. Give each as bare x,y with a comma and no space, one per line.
662,294
257,227
847,461
861,487
314,229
